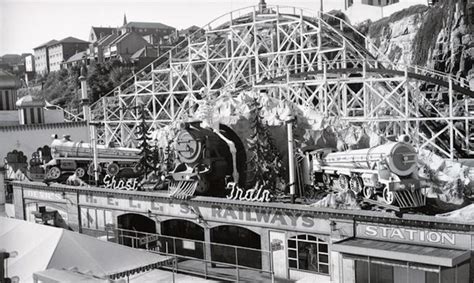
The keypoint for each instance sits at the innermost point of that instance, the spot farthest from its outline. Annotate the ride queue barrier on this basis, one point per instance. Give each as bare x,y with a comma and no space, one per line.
173,246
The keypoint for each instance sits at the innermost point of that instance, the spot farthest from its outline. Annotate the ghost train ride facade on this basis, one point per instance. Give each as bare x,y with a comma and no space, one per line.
223,227
290,241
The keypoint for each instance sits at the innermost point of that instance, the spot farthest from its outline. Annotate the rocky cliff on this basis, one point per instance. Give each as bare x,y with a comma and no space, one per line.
440,37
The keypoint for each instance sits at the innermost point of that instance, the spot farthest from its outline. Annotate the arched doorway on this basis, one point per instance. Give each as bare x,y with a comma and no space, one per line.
249,255
134,229
176,231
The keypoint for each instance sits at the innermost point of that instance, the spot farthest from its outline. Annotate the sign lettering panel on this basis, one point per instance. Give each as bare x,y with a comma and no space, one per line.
258,216
414,236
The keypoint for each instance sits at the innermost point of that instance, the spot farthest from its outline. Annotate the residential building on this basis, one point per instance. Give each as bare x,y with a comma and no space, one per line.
63,50
144,56
97,33
77,59
152,32
11,59
125,41
42,57
96,49
124,46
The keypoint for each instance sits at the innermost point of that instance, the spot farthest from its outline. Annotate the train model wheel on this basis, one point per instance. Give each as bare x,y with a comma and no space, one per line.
356,184
90,169
138,168
344,183
80,172
368,192
113,169
388,196
54,172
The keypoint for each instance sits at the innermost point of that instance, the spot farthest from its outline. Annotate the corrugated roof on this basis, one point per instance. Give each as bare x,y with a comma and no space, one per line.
49,43
148,25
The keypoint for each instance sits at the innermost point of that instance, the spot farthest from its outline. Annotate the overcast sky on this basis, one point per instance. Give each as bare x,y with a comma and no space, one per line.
25,24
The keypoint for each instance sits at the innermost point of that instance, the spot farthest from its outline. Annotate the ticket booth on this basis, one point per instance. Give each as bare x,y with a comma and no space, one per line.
400,254
384,262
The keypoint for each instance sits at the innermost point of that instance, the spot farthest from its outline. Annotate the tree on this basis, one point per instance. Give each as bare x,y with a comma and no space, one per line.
265,166
146,162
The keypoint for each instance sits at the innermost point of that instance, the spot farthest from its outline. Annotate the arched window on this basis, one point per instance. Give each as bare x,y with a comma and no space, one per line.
307,252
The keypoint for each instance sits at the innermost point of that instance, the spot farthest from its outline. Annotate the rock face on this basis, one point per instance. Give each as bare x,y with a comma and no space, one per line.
439,37
454,49
394,35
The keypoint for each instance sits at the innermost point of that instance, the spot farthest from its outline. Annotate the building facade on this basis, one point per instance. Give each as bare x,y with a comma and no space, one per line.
63,50
124,46
42,57
288,241
98,33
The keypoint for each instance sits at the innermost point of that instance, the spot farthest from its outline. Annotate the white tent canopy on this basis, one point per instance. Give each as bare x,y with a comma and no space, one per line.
41,247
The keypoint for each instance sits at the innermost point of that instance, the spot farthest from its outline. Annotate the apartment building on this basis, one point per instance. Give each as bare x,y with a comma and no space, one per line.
62,50
124,46
41,53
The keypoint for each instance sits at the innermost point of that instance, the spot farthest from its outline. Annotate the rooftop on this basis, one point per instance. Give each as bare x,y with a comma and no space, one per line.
77,57
104,31
8,80
71,39
148,25
49,43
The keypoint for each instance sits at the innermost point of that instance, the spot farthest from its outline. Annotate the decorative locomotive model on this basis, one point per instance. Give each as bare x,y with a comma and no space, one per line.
388,170
207,159
77,157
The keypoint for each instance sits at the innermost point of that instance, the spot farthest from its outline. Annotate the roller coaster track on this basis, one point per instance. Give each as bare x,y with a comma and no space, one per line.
313,60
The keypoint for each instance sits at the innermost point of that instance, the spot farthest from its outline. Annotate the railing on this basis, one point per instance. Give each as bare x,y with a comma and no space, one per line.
235,262
229,17
69,116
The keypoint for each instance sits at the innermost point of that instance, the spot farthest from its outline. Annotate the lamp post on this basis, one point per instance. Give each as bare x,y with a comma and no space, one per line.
87,117
291,158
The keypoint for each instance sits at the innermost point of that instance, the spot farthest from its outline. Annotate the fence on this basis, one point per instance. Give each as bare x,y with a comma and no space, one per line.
225,262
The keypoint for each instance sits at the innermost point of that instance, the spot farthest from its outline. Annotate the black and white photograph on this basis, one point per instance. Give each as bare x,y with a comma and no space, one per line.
205,141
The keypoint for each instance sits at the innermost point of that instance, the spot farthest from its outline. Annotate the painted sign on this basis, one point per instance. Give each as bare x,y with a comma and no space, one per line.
189,245
245,215
409,235
130,203
148,239
236,193
128,185
43,195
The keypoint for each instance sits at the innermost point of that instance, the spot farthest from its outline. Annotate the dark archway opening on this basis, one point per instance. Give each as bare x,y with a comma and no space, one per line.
176,231
133,229
249,255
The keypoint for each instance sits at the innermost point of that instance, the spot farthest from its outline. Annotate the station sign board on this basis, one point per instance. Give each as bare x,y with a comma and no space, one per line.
414,235
260,216
51,196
